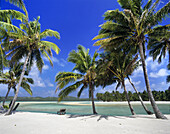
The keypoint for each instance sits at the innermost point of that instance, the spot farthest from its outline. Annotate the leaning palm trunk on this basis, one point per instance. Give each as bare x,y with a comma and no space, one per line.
92,99
140,98
19,84
169,51
156,110
6,96
127,97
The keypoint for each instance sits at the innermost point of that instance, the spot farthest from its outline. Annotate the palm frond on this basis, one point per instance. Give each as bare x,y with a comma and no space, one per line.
130,67
49,33
80,91
50,45
116,15
39,60
11,14
68,90
64,78
10,27
46,55
162,13
20,4
27,87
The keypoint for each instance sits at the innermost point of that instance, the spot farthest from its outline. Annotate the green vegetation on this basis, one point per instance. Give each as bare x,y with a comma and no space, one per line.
117,96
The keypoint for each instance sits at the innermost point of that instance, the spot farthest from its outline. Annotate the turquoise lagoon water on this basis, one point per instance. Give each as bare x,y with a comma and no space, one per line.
85,108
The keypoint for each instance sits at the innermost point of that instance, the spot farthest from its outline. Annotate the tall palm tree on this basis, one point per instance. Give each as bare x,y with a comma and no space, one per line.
6,26
28,42
132,26
85,78
11,78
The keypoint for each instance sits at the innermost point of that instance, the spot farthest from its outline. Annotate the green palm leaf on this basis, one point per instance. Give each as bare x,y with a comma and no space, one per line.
11,14
25,86
50,45
50,33
69,90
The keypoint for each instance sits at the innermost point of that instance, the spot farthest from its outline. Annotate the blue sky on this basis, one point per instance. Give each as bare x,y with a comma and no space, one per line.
78,22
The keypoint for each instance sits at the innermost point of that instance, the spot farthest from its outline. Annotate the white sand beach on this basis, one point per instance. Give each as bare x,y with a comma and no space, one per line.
43,123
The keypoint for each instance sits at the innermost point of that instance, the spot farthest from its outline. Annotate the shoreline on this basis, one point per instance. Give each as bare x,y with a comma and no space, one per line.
43,123
96,102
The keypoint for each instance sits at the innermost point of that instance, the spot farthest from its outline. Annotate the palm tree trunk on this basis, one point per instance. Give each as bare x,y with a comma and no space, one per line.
92,99
156,110
19,84
127,97
140,98
169,51
9,87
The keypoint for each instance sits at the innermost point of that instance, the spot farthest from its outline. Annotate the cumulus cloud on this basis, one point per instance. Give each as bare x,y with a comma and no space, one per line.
161,73
138,72
45,67
60,62
160,86
34,73
154,65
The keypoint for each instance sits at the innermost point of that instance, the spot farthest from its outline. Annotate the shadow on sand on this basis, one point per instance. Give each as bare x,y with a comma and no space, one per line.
100,117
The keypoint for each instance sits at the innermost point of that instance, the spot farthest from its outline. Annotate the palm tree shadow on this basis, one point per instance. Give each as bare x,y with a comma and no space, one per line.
100,117
85,117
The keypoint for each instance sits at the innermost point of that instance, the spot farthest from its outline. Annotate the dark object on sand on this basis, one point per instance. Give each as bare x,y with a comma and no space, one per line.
61,112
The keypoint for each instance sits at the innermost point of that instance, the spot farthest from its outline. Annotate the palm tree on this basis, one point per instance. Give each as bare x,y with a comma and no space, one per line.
11,78
85,78
28,42
132,26
6,26
159,42
116,64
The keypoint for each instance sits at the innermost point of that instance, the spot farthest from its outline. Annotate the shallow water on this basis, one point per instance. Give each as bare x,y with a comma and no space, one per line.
82,108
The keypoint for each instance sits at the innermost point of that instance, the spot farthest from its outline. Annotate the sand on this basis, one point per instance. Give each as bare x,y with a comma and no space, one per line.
43,123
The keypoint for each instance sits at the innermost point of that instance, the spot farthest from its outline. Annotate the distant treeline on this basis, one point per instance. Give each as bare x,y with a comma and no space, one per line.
117,96
69,98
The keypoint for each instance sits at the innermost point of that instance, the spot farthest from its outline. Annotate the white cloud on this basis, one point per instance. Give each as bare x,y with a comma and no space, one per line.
154,65
60,62
161,73
45,67
159,86
34,73
50,85
47,82
153,85
138,72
